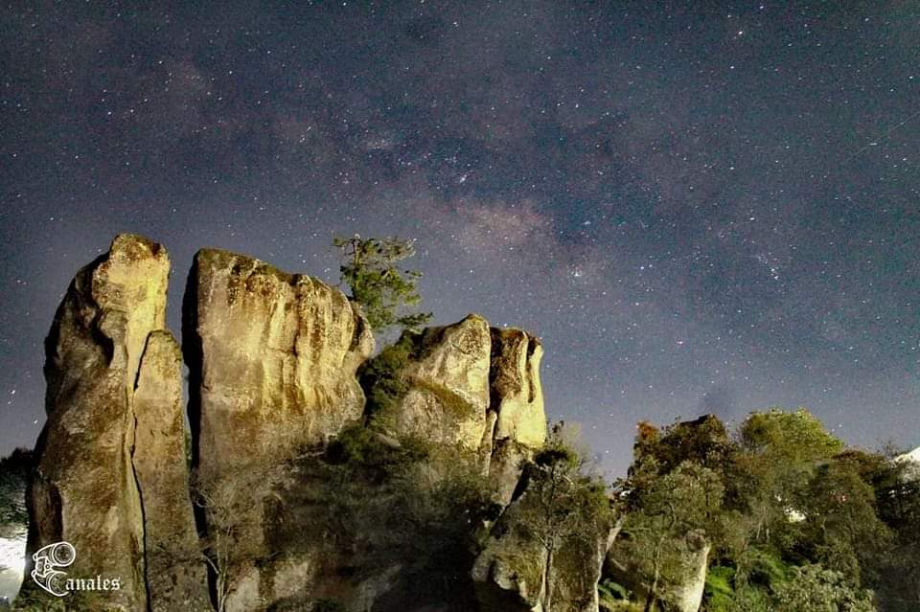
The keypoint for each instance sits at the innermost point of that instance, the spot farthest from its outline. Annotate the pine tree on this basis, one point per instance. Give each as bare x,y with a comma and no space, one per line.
384,292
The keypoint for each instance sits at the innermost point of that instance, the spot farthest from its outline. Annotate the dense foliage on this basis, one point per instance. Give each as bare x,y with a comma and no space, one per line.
780,512
566,510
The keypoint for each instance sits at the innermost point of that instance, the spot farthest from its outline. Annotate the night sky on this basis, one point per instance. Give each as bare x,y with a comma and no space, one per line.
700,206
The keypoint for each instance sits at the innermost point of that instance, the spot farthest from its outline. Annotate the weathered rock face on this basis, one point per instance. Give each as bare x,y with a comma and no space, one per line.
517,396
687,594
85,490
272,360
516,414
448,379
176,577
477,389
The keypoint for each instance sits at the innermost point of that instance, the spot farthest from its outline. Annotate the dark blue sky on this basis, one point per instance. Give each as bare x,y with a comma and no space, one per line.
698,206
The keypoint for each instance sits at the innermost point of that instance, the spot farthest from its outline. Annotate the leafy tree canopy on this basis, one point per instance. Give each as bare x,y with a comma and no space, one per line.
795,520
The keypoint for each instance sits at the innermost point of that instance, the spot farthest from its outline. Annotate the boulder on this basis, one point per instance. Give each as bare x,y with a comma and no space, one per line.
85,490
686,593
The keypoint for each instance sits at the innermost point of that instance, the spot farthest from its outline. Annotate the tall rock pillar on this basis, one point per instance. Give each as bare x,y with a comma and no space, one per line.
103,379
85,490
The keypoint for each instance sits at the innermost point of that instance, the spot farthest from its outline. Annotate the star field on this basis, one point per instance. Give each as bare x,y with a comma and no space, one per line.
698,208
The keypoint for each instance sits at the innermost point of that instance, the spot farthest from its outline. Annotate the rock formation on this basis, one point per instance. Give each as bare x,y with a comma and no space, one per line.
272,360
85,490
516,408
687,593
175,573
284,447
476,389
448,384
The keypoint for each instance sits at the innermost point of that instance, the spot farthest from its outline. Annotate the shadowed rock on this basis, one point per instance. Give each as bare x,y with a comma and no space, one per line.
176,576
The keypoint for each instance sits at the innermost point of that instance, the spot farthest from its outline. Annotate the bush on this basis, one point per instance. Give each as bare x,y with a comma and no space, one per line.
817,589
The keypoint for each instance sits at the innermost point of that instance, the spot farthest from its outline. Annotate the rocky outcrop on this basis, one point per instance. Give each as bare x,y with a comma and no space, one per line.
515,389
448,385
272,360
85,490
476,389
175,574
516,412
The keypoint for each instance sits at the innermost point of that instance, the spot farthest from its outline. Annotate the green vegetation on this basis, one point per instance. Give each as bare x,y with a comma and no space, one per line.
372,502
780,512
558,523
815,588
384,292
381,379
568,505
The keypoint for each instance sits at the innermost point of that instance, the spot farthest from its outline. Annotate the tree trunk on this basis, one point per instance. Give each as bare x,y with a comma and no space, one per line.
547,586
614,532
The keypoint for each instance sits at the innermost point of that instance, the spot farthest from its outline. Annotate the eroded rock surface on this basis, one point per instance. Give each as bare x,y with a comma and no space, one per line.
272,363
85,490
175,571
272,360
516,408
517,395
448,378
687,593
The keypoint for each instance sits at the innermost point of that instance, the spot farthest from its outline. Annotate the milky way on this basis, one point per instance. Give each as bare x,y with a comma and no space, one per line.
698,210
